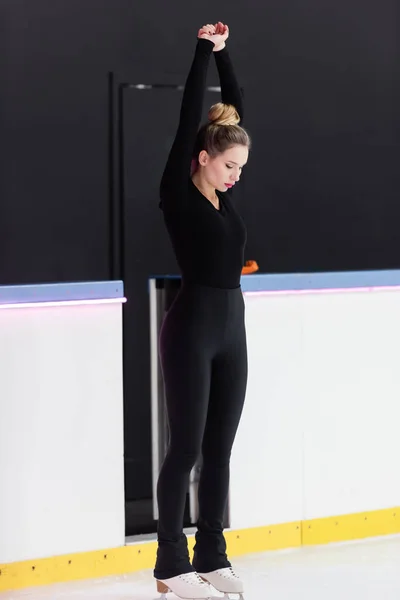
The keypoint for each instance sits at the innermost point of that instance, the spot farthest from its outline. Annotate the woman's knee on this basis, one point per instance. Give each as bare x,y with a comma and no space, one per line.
183,458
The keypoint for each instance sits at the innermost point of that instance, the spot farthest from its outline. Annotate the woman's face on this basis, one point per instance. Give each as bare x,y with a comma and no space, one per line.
224,170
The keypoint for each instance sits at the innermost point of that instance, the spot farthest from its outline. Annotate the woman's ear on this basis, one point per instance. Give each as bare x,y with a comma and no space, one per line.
203,158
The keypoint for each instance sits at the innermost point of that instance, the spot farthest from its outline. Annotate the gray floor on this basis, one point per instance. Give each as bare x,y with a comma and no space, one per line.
367,570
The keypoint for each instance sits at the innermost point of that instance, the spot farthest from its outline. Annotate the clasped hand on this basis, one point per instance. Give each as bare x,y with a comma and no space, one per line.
218,34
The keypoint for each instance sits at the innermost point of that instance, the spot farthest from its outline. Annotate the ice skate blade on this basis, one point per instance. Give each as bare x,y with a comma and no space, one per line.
230,596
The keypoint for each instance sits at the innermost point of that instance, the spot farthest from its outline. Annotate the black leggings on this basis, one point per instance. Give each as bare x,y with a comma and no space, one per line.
204,362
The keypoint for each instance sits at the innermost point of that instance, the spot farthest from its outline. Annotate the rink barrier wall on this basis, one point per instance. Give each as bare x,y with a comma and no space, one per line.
61,477
139,556
324,465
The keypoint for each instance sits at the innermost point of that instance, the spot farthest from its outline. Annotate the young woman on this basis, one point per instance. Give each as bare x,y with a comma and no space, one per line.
203,342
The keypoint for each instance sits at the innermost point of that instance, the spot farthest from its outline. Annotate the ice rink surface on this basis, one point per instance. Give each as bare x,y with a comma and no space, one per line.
364,570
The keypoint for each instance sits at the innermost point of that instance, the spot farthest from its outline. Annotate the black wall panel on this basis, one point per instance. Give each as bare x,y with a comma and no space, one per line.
321,190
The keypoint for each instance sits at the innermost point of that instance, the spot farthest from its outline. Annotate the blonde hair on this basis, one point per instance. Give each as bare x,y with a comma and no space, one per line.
221,132
223,114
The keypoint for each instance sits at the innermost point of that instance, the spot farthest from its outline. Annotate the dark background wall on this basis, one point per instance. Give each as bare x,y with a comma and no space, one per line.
321,191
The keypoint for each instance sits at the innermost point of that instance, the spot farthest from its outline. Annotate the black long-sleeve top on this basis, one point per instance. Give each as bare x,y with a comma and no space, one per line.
208,243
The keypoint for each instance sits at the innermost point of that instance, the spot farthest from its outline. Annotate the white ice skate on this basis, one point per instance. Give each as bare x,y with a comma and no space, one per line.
188,586
225,581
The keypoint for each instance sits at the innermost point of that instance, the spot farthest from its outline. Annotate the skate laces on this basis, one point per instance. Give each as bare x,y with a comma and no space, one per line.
192,579
229,573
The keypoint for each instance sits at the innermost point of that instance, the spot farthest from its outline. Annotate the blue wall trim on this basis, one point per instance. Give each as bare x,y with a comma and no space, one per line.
314,281
320,281
95,290
59,292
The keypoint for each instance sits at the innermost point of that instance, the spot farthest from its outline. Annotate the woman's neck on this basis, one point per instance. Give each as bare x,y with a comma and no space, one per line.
206,189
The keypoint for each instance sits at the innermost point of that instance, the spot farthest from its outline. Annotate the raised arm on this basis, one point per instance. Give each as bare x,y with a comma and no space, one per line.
230,89
174,181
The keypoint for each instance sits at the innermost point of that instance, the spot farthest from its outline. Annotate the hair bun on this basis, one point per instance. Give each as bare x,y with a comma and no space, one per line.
223,114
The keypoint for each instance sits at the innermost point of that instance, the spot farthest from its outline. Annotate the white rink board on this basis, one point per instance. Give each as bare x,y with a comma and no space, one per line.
61,430
319,432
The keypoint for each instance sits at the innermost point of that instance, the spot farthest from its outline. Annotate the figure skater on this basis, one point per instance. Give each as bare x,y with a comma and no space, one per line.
203,349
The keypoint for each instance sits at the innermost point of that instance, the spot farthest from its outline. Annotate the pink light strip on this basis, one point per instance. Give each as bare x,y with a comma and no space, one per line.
63,303
324,291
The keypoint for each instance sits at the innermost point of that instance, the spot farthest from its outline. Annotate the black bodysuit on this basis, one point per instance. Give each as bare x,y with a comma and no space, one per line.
203,342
